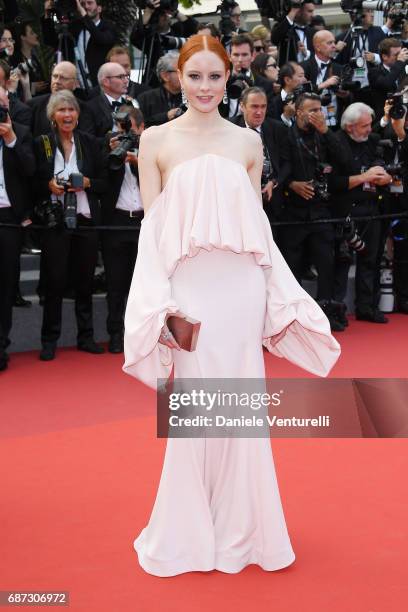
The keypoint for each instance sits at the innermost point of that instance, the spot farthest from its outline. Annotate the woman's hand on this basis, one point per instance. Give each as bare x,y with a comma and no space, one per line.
7,132
166,337
86,185
55,188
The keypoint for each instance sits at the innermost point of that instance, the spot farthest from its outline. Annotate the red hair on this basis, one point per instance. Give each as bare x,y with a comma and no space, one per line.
201,42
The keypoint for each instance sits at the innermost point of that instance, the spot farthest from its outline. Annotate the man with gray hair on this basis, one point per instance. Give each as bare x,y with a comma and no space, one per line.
163,103
359,173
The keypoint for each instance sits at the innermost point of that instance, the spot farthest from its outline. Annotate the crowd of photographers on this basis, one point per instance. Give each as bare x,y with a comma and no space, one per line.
330,112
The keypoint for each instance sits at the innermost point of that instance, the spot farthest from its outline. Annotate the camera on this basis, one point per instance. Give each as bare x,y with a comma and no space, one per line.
49,213
65,10
75,181
278,9
398,104
236,84
3,114
171,42
128,140
165,5
293,96
320,182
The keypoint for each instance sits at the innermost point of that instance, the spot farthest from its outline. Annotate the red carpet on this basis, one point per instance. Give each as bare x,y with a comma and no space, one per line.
79,471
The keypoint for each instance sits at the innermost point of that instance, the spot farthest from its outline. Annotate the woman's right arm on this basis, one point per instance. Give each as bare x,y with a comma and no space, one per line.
149,172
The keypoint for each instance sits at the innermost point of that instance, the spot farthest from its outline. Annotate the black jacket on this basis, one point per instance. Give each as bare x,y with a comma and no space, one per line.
275,137
19,165
285,36
102,39
311,69
19,112
382,82
155,105
93,166
97,119
303,166
38,111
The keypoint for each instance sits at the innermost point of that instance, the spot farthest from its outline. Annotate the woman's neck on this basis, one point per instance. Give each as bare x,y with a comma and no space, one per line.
195,119
26,50
65,137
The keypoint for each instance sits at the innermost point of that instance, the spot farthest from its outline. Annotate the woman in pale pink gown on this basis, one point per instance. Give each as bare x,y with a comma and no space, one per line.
206,250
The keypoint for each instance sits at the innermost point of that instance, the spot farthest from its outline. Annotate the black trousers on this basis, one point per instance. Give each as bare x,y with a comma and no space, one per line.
119,250
367,282
318,241
66,252
10,244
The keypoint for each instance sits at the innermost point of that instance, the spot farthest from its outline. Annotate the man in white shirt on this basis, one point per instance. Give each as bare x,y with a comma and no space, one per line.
121,206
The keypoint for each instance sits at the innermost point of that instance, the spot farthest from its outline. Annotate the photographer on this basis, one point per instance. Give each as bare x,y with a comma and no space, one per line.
25,59
230,23
394,152
312,147
92,35
121,205
291,78
386,77
17,163
273,134
361,175
154,33
19,112
293,34
242,55
68,184
326,77
165,102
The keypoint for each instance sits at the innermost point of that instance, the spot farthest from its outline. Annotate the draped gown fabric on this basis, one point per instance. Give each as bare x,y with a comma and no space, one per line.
206,248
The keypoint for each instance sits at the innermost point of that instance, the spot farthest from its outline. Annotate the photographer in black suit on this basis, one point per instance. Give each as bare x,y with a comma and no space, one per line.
121,205
17,164
74,157
293,34
93,36
386,77
325,76
291,79
163,103
274,139
113,82
19,112
312,148
361,175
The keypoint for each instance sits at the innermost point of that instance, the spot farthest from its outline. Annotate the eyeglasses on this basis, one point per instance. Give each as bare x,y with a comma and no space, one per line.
259,48
7,40
270,65
122,77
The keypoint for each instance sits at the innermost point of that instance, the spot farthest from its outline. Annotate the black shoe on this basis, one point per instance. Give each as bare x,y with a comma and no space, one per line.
48,351
90,346
20,302
4,359
116,344
335,324
372,315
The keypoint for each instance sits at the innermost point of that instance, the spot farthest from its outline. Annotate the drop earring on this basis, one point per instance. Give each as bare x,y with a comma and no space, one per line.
184,98
225,97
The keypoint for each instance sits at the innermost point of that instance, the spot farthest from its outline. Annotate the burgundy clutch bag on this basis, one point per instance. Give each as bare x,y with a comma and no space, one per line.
185,331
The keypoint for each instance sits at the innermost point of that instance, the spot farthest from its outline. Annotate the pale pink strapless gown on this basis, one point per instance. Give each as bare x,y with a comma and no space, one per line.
206,248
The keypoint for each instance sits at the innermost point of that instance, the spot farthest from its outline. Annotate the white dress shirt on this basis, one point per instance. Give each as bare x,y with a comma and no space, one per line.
63,169
329,111
129,197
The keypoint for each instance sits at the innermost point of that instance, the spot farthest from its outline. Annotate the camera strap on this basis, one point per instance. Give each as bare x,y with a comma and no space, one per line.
301,143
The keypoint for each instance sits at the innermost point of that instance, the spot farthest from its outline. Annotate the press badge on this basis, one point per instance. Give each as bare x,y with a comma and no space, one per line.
3,194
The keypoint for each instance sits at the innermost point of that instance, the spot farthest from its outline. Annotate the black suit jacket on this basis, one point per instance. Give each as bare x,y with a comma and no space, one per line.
93,166
19,112
275,137
97,119
383,81
311,69
285,36
19,165
102,39
154,105
39,121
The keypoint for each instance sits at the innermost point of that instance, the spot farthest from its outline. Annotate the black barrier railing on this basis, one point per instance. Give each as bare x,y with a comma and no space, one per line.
390,216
